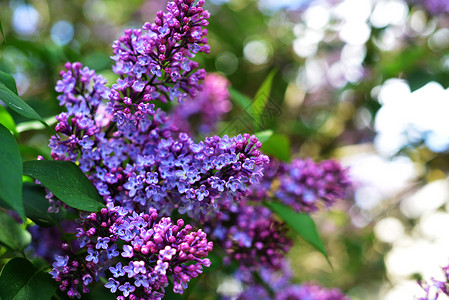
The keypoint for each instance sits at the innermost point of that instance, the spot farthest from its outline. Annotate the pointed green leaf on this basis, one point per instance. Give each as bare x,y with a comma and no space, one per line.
301,223
8,81
12,234
264,136
261,98
67,182
20,280
11,175
239,98
7,120
36,206
18,105
278,145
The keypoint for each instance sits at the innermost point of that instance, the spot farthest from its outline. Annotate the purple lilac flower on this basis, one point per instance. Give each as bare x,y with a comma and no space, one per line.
253,292
143,167
434,288
310,291
201,114
138,160
303,184
154,164
276,285
71,271
160,249
155,62
251,236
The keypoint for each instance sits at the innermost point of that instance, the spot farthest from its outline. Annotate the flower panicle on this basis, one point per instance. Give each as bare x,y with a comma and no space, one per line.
135,252
155,62
303,184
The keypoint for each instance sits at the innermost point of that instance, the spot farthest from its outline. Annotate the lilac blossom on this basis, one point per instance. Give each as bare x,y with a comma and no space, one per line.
156,167
252,236
145,169
434,288
138,160
206,109
303,184
276,285
155,62
153,246
310,291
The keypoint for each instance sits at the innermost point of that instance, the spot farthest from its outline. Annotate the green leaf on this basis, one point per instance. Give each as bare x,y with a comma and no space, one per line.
8,81
11,175
36,206
239,98
20,280
261,98
67,182
264,136
12,234
7,120
1,31
35,125
20,106
31,152
301,223
278,145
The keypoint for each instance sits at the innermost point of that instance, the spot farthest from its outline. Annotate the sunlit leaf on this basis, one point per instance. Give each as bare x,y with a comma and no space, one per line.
301,223
277,145
261,98
67,182
11,174
7,120
8,80
35,125
20,280
264,136
18,105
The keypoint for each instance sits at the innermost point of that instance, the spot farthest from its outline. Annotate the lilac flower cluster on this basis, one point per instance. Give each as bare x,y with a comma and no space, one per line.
256,239
141,164
201,113
146,169
137,160
276,285
310,291
157,168
303,184
72,272
434,288
136,252
155,62
82,92
199,178
307,291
